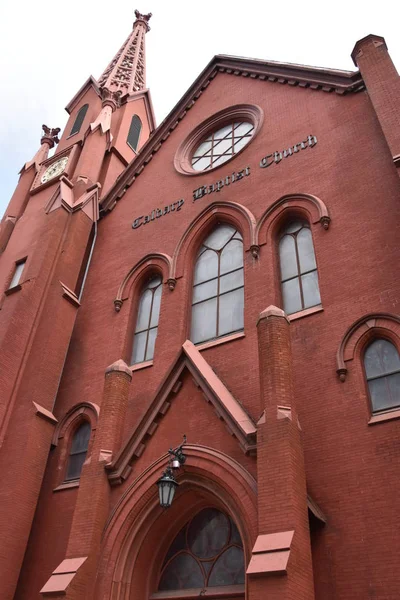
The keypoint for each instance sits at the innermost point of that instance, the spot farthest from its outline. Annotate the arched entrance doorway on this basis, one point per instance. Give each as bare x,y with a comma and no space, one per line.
211,525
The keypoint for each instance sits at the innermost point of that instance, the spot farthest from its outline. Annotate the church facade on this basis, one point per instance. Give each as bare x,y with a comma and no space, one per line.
200,339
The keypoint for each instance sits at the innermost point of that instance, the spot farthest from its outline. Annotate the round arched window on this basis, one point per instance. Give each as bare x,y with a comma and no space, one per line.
206,553
221,145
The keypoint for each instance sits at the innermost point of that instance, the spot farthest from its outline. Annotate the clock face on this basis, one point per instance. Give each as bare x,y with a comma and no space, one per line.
55,169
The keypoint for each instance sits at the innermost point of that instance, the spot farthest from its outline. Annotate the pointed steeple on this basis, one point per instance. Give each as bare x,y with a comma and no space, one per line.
126,73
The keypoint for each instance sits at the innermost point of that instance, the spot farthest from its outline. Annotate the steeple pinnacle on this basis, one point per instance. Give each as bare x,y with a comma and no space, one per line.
126,73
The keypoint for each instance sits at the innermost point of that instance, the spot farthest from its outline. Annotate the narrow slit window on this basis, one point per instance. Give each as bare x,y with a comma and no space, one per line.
382,369
218,288
299,276
79,448
134,133
147,321
16,278
80,117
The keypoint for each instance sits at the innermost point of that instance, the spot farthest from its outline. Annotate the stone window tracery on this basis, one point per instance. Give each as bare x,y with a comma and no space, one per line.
382,370
218,286
298,267
206,553
80,117
147,321
78,451
221,145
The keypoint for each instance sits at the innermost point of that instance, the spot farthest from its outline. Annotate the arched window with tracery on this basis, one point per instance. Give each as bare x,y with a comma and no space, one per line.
206,555
78,451
218,286
147,321
80,117
382,370
299,276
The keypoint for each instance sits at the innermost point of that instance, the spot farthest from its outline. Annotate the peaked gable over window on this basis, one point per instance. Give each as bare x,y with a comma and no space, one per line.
134,133
76,127
207,552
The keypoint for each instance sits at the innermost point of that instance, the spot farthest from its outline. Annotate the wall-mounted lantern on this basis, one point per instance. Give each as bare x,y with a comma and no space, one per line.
167,484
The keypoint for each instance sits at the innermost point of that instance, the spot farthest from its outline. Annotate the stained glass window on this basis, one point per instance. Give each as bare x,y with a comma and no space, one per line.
147,321
299,277
79,447
79,119
382,368
207,552
134,132
221,145
218,288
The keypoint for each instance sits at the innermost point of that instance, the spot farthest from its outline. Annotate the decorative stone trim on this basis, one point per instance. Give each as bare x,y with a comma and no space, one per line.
305,313
15,288
142,365
314,205
271,554
45,414
67,485
222,340
62,576
384,416
70,295
119,366
89,409
157,260
241,112
231,212
272,311
361,327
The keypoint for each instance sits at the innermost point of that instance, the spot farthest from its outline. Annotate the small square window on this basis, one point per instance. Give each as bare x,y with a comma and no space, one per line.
19,267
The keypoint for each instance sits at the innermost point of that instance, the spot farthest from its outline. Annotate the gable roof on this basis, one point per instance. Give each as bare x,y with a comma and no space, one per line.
316,78
227,408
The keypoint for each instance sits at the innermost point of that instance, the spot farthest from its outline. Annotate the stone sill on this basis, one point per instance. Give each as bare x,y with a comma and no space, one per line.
142,365
305,313
15,288
222,340
228,591
386,416
66,485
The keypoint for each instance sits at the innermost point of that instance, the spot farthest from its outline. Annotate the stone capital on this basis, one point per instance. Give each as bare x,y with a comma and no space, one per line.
272,311
119,366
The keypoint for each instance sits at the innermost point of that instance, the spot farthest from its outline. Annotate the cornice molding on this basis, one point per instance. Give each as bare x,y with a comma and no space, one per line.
326,80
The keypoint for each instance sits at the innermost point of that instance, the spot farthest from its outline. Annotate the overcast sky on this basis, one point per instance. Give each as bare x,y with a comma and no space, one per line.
48,49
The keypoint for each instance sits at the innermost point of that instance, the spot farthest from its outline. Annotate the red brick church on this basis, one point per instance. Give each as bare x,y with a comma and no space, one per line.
230,276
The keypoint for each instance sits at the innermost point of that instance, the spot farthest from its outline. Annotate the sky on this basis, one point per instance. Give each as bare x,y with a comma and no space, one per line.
48,49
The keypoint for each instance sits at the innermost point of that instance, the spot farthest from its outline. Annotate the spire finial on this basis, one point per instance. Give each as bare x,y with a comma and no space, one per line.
50,135
47,141
127,71
143,18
